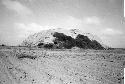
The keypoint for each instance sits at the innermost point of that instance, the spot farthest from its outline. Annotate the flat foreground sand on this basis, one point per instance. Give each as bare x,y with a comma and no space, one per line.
25,66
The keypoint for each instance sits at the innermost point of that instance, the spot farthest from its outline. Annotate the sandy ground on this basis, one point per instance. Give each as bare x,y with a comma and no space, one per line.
24,66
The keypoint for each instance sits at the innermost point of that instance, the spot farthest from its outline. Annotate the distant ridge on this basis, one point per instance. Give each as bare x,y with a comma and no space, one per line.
60,38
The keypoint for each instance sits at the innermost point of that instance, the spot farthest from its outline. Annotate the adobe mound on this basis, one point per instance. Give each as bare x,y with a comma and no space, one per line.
61,38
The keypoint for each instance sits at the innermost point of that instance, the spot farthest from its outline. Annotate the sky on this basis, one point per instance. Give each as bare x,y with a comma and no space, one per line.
104,18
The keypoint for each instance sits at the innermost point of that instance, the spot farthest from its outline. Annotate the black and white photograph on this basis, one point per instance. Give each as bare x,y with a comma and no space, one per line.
62,41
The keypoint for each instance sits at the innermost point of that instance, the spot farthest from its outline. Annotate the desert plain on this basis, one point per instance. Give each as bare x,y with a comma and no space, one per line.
20,65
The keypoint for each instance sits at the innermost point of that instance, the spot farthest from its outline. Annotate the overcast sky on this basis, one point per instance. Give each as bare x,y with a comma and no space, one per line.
104,18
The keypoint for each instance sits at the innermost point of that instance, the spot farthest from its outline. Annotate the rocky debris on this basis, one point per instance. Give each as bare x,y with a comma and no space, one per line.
81,41
61,67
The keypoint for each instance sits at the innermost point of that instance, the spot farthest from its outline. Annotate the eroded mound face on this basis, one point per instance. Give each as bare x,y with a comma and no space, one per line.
26,66
68,37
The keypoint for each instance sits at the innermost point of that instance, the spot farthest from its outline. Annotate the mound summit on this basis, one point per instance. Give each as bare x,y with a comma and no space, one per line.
63,38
